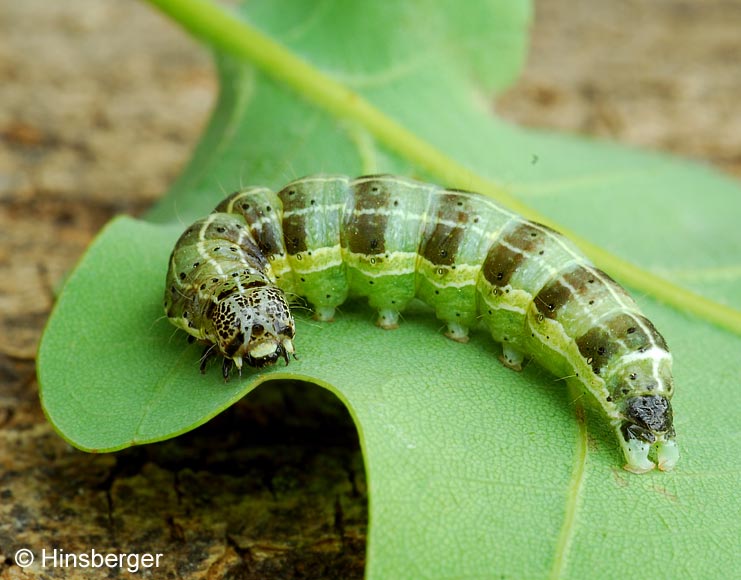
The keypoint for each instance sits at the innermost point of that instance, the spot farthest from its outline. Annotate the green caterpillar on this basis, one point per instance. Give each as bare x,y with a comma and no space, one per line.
392,239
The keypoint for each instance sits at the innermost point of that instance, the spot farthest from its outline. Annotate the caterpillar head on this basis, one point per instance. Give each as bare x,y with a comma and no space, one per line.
647,425
255,327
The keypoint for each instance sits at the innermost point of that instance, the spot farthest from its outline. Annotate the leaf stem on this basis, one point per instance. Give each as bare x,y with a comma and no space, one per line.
226,31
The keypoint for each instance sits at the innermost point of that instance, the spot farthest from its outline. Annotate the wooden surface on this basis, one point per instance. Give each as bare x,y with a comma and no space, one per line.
100,105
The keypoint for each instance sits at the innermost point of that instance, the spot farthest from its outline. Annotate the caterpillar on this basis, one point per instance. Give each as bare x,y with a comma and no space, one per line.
391,239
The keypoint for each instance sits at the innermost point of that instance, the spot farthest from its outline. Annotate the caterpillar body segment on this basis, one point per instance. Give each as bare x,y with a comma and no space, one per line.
390,240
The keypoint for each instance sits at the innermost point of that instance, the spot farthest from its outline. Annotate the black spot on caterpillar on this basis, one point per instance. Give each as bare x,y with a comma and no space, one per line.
391,239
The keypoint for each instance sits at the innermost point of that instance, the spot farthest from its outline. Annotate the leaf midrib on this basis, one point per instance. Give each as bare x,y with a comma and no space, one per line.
225,31
574,490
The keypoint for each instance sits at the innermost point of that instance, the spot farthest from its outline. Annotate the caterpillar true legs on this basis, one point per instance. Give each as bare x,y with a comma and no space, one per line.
391,240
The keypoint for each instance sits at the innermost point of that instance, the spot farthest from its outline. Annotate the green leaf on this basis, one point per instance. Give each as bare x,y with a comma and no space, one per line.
473,470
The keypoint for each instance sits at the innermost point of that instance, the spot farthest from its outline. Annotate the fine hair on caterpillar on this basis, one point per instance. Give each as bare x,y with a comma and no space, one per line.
389,240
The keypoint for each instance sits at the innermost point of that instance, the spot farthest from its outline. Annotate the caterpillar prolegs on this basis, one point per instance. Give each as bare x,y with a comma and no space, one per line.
392,239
